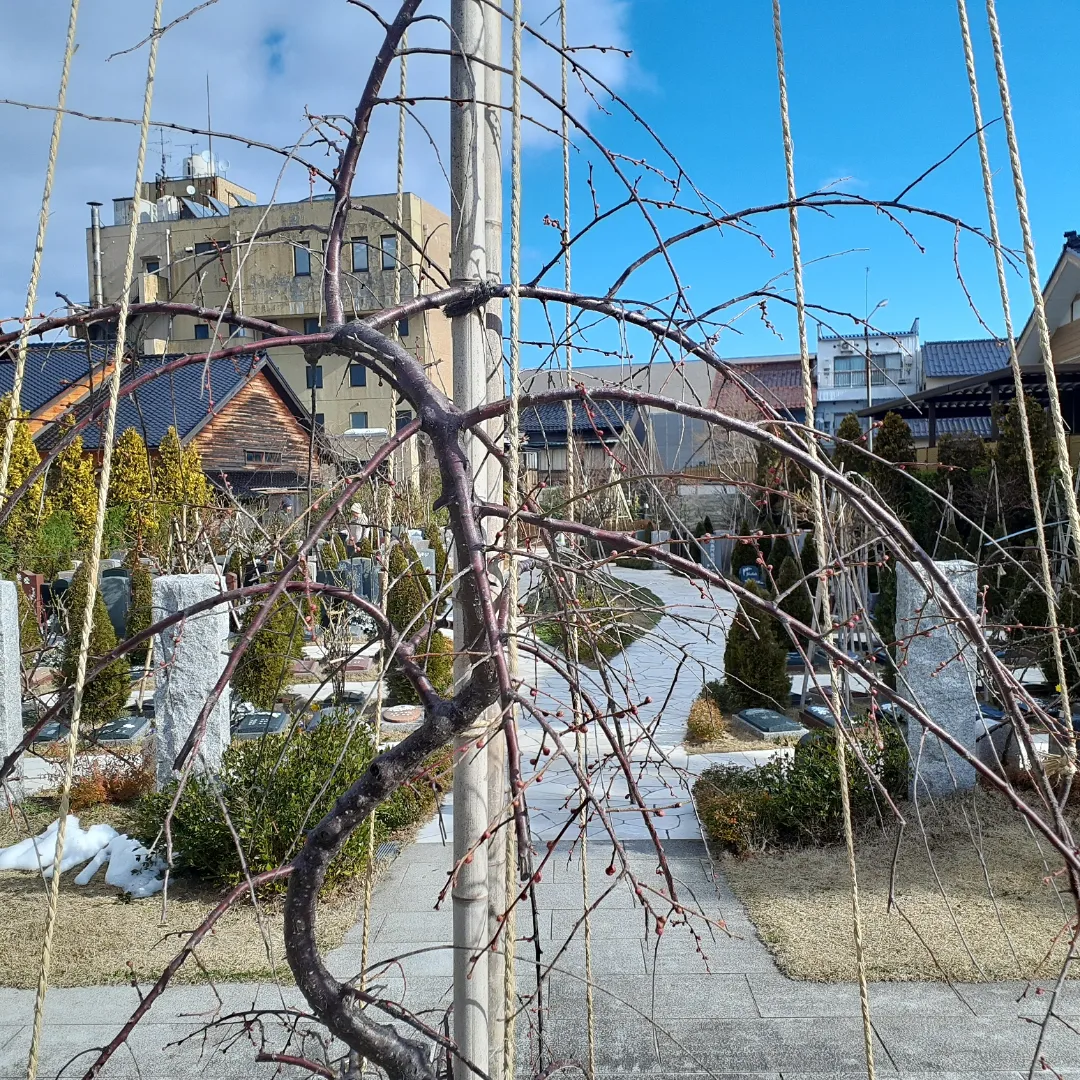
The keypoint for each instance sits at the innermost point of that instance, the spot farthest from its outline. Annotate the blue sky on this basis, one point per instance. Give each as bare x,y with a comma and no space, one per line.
878,93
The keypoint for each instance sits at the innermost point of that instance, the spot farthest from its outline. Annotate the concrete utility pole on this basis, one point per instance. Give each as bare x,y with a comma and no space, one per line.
498,786
468,265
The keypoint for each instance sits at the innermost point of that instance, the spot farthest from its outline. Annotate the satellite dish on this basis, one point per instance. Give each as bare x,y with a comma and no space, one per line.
223,165
190,189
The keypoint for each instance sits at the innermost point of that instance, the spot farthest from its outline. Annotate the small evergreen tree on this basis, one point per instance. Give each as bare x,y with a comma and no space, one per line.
180,480
131,484
798,603
22,525
140,612
780,551
847,457
52,548
807,557
73,488
745,552
755,662
894,444
265,669
30,639
1011,460
765,542
104,696
433,535
407,605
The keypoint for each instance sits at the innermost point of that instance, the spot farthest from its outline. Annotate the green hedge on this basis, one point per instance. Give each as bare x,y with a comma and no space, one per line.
276,789
795,799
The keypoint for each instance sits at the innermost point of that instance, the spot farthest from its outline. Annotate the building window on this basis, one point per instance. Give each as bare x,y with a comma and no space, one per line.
358,420
314,376
237,331
402,418
849,371
320,419
151,266
302,261
202,331
205,248
262,457
311,326
357,375
360,255
403,328
388,244
885,369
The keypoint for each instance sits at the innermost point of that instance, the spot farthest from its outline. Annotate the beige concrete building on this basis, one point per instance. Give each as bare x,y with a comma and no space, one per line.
205,240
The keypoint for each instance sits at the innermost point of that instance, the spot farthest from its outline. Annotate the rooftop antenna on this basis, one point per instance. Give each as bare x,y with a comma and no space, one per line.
209,130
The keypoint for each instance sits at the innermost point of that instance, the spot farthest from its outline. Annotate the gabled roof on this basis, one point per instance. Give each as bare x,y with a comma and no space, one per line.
1062,287
958,359
186,399
592,418
51,368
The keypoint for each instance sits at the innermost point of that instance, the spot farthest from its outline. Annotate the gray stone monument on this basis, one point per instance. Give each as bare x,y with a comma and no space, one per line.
361,577
937,670
115,589
189,658
11,728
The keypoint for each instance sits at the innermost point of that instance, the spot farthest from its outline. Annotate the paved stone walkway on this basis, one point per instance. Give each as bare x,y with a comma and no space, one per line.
711,1006
669,666
714,1005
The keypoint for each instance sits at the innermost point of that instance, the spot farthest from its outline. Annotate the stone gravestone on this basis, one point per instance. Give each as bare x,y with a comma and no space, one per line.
361,577
937,670
115,588
189,658
11,727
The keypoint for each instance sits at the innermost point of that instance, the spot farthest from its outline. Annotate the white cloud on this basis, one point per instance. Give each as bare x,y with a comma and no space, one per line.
268,61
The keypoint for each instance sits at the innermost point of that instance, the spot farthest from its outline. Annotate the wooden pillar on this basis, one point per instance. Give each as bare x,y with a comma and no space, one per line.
933,425
994,398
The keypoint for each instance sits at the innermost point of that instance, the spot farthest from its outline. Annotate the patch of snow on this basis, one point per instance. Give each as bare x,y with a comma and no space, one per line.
130,866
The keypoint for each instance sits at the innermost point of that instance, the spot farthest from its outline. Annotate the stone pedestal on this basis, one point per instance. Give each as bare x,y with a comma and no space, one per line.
937,671
189,658
11,728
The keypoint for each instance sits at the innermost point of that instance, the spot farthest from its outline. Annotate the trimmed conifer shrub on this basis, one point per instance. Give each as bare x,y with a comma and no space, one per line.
265,669
140,611
104,696
798,603
745,552
755,661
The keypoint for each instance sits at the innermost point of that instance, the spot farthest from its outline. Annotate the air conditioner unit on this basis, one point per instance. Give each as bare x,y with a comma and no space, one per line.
846,346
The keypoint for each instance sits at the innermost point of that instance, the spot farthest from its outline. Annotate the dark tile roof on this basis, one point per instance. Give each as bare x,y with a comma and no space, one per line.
51,366
951,425
957,359
542,422
184,399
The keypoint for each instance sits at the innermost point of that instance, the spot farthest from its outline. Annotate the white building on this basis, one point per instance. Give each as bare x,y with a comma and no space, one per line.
892,360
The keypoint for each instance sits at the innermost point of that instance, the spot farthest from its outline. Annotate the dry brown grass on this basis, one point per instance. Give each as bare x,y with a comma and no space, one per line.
102,937
709,731
801,900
